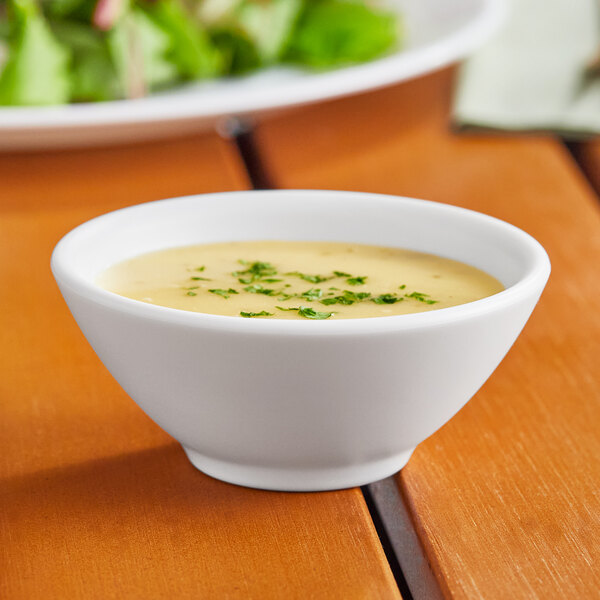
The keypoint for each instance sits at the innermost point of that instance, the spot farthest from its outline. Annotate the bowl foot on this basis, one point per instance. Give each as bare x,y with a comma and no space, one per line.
298,480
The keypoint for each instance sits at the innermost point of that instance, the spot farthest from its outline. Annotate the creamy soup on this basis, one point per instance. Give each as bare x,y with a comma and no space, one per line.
298,280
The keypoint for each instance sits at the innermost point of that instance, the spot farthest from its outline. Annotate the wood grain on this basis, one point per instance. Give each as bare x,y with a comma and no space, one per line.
95,500
506,497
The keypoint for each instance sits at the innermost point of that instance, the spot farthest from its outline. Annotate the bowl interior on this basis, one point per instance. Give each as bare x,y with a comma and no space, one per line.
496,247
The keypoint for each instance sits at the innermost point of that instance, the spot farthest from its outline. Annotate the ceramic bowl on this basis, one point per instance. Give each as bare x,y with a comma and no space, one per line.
300,405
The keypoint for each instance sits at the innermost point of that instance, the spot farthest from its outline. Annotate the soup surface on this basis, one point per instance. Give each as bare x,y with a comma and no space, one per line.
298,280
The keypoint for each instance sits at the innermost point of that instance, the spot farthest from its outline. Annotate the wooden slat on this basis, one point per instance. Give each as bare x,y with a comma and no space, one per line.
95,500
505,498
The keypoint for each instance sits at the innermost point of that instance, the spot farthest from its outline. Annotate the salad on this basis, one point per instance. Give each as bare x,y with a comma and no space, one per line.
60,51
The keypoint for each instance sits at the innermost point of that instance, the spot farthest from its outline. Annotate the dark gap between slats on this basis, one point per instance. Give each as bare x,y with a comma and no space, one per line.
250,154
386,544
575,149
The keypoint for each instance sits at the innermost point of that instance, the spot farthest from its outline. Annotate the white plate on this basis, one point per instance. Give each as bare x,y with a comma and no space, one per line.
439,32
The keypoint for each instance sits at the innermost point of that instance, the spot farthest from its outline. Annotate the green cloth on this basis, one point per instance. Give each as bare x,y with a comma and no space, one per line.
533,75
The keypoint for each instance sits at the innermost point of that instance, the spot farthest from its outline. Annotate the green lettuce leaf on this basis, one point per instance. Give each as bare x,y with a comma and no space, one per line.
238,52
37,69
190,47
269,25
337,32
93,74
139,49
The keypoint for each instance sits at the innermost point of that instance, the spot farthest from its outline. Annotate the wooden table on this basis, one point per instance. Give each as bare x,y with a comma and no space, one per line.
502,502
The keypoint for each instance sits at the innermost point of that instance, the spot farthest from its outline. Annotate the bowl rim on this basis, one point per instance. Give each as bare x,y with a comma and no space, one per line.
532,282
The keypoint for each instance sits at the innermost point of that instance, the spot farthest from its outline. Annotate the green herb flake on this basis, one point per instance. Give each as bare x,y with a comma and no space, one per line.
347,297
356,280
386,299
262,313
224,293
419,296
341,274
402,287
257,288
256,270
200,279
311,278
191,294
200,269
310,313
312,294
288,308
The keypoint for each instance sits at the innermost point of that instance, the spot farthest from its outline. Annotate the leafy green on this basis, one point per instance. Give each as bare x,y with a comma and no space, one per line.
139,49
58,51
190,48
262,313
238,53
37,69
79,10
93,75
269,25
337,32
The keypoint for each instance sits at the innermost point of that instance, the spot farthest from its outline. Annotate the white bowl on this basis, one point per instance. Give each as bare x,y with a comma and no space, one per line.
300,405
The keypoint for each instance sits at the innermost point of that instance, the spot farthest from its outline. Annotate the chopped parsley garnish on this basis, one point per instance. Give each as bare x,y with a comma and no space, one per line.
386,299
421,297
255,271
255,274
311,313
357,280
224,293
257,288
311,278
312,294
347,297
